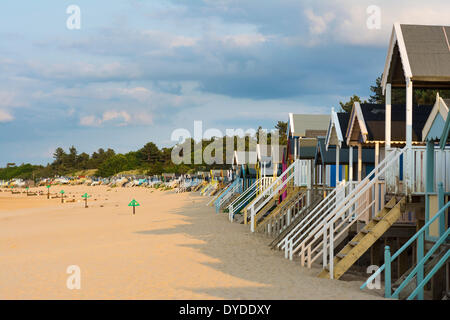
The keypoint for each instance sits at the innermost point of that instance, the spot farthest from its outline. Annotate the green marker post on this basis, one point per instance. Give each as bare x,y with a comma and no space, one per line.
28,188
48,192
85,196
62,196
134,204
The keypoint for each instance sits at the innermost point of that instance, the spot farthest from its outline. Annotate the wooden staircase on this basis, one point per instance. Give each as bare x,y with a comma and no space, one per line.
293,196
229,201
296,220
429,265
261,213
391,212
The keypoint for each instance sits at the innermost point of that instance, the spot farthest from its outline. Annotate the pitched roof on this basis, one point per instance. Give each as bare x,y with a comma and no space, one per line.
299,124
337,129
419,52
445,133
368,120
434,125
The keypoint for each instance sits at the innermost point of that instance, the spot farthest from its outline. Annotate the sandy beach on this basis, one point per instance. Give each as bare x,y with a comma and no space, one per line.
175,247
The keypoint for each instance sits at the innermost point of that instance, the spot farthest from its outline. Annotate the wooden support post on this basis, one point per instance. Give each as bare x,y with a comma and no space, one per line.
441,205
295,148
377,191
429,184
387,125
359,162
420,271
408,167
387,272
309,182
323,177
350,164
337,165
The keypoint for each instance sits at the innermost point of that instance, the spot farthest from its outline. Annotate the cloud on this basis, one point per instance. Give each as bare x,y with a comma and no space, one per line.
5,116
318,24
345,22
117,118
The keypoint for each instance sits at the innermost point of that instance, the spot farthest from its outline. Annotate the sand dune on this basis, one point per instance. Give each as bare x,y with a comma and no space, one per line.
173,248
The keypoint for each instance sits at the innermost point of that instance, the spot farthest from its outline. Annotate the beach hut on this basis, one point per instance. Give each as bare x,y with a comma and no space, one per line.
304,127
334,152
269,162
302,133
244,164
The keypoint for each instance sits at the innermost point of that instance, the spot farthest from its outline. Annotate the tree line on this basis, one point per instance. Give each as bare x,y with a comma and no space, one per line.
148,160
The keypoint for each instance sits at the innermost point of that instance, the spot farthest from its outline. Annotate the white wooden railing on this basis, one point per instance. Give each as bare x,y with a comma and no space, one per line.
292,175
290,243
352,202
233,188
414,171
350,210
246,196
288,212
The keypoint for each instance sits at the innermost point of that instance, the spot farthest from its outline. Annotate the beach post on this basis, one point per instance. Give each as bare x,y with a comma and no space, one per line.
134,204
387,272
62,196
28,188
48,191
85,196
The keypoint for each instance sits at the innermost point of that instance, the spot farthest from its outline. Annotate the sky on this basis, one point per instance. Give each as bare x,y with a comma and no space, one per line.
135,71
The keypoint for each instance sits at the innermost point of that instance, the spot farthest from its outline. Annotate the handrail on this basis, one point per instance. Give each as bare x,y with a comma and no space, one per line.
348,202
331,196
243,194
361,188
321,206
290,207
215,197
340,209
269,192
284,207
229,190
318,223
418,234
429,275
235,188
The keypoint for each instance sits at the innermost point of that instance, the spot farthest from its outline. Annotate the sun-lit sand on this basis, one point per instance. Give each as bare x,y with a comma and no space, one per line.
175,247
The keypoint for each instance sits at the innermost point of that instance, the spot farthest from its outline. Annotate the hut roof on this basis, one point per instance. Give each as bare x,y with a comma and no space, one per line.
418,52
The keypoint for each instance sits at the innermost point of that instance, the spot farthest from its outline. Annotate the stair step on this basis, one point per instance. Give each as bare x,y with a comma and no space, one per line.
378,219
365,231
341,255
353,243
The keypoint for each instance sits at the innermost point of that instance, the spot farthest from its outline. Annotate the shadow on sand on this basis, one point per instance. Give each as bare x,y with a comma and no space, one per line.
247,256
